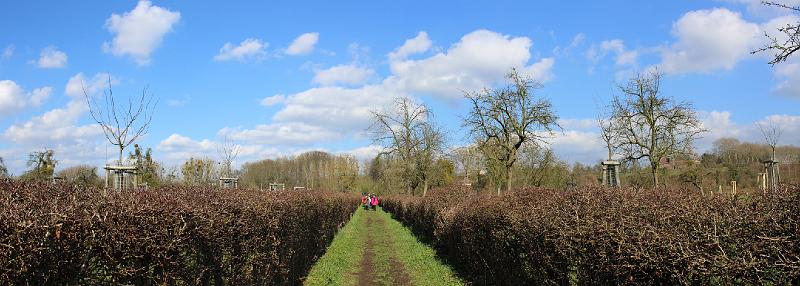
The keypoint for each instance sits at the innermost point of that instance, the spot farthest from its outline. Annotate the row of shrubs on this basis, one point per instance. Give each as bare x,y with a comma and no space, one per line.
607,236
65,235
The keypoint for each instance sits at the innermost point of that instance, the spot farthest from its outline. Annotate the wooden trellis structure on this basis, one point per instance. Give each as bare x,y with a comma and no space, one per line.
227,183
277,186
772,176
610,173
119,176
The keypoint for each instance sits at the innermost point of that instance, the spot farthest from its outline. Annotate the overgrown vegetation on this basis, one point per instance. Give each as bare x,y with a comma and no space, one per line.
597,236
66,235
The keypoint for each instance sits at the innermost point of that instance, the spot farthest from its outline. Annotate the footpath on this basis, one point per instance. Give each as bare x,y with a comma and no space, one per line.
374,249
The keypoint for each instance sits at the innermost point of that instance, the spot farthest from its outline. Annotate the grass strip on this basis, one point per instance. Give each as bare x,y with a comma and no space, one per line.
419,259
340,264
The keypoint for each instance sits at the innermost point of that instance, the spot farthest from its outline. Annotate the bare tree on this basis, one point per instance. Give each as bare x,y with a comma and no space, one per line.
43,165
469,160
647,124
772,133
786,44
607,134
431,141
3,169
228,150
502,120
122,124
405,131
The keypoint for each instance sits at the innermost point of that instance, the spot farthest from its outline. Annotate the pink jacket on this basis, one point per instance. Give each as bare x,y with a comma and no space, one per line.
375,201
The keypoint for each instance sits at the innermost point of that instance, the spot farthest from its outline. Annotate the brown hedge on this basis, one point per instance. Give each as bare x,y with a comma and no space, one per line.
62,235
611,236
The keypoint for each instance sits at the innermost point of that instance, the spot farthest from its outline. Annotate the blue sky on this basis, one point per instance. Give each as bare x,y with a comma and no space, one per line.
282,78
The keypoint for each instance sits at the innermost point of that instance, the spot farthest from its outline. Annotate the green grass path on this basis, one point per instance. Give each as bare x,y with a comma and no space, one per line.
374,249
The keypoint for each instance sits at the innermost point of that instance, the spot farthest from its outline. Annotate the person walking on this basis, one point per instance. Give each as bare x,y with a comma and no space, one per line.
374,202
365,200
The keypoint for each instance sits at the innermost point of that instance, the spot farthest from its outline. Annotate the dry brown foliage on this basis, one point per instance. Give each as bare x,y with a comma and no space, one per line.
64,235
611,236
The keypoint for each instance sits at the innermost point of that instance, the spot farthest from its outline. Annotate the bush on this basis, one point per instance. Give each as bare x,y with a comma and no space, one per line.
611,236
59,234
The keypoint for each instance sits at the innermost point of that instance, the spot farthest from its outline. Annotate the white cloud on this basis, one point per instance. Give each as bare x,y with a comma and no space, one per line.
336,108
140,31
578,146
788,72
479,59
303,44
283,134
13,98
623,56
720,124
40,95
248,49
51,57
8,52
273,100
709,40
416,45
54,126
364,153
60,126
343,74
580,140
97,83
178,148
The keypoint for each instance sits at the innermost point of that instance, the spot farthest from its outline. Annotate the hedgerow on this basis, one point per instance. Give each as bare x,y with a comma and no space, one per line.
59,234
605,236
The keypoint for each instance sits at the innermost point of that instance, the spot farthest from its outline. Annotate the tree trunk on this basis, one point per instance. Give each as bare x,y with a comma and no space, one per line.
425,188
120,156
508,180
654,168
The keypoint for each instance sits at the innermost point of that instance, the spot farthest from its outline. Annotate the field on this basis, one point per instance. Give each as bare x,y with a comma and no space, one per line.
60,234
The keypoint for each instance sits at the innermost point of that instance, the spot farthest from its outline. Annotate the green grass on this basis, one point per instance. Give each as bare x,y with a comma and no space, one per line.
418,258
339,265
342,261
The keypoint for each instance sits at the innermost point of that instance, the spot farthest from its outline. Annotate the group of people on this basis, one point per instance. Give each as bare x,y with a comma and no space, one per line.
369,201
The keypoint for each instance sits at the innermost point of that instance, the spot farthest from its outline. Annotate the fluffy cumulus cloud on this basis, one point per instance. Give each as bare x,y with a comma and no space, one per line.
720,124
78,83
341,107
709,40
416,45
622,55
344,110
479,59
14,98
787,73
246,50
137,33
178,148
365,153
580,140
285,134
582,146
349,74
61,129
60,125
51,57
53,126
303,44
273,100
